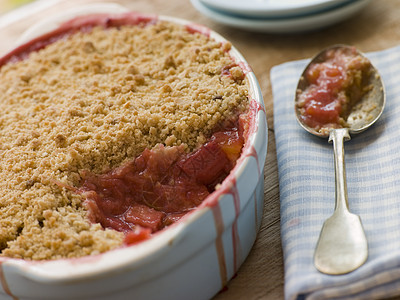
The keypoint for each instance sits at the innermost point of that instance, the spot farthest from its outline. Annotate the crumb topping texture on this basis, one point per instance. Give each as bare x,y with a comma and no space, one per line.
91,102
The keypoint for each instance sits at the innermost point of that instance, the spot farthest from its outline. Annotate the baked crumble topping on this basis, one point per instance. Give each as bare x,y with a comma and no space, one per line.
91,102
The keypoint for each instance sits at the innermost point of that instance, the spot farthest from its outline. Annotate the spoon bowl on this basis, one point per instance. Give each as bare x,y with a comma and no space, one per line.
342,245
367,110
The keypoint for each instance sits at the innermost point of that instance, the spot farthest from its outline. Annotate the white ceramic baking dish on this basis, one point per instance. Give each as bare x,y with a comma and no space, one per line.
192,259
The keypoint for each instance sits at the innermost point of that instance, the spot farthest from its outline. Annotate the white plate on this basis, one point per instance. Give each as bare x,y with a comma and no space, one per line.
273,8
287,25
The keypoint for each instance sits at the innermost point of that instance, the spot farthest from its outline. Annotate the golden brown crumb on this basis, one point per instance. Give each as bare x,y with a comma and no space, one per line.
91,102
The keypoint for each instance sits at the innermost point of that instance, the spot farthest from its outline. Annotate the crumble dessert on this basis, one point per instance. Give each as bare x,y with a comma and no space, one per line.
334,86
96,102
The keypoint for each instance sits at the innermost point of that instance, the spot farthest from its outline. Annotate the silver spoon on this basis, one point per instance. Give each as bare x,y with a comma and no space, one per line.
342,246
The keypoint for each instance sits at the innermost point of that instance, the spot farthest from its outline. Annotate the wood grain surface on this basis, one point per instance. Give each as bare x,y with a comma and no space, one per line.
375,28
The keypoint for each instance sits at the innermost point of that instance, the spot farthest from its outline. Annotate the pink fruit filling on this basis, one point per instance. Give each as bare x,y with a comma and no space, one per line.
160,186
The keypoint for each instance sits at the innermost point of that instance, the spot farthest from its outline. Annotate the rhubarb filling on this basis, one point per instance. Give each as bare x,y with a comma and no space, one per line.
335,86
160,186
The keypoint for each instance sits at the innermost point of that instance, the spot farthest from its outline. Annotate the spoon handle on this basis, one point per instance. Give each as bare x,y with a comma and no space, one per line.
342,245
338,136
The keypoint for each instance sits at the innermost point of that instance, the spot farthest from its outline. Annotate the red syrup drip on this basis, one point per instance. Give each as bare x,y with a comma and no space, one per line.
251,152
4,283
219,245
235,233
260,107
212,202
256,107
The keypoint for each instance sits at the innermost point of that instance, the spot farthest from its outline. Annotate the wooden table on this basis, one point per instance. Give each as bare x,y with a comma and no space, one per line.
377,27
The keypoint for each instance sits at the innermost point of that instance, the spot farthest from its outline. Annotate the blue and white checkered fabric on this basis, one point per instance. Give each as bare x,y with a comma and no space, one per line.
307,191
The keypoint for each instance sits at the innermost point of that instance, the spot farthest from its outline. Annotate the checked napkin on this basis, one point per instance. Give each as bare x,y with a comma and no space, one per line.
307,191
